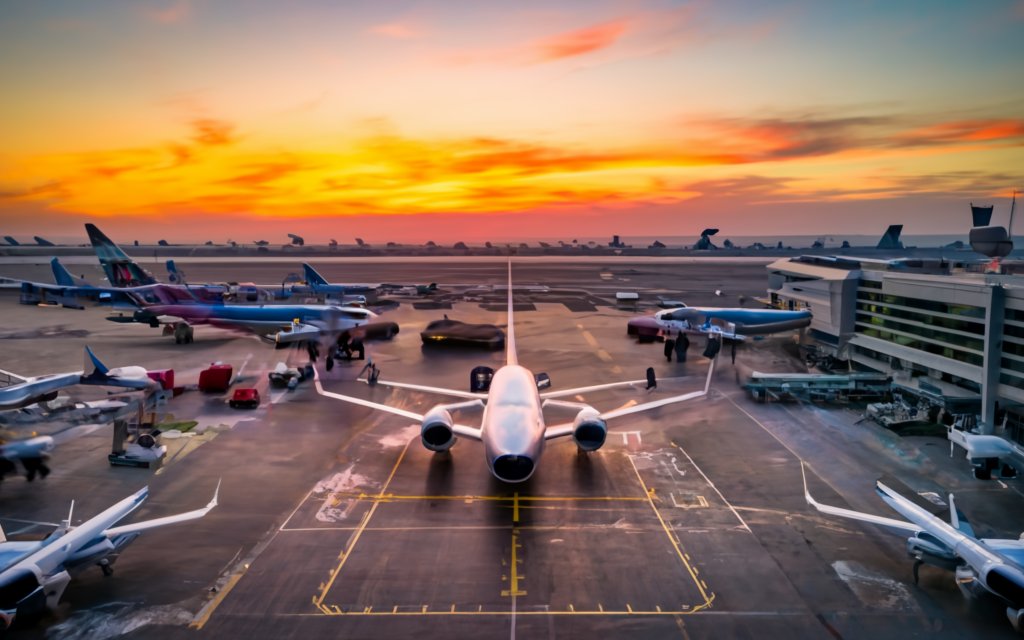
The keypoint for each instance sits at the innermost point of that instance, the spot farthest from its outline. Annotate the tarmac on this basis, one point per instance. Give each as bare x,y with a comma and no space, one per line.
333,519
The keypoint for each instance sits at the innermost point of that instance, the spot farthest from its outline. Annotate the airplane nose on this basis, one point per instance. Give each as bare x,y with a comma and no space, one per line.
513,468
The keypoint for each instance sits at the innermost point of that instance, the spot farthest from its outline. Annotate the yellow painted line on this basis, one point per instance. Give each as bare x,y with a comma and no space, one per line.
591,340
515,507
347,553
386,497
204,614
514,577
683,611
683,557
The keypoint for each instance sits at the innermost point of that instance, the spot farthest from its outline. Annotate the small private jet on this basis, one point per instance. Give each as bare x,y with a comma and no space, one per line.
34,574
980,565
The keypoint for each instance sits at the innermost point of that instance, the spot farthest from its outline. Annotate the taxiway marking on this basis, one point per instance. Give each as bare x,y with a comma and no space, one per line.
347,552
708,597
712,485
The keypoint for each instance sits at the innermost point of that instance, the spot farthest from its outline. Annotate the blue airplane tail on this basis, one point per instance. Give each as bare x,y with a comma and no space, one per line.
92,362
312,276
173,275
61,275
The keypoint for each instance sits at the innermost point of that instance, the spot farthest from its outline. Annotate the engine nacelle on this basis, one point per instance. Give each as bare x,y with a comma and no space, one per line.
436,432
589,431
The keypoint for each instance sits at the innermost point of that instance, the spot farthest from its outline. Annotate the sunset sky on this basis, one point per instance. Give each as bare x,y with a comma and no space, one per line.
467,120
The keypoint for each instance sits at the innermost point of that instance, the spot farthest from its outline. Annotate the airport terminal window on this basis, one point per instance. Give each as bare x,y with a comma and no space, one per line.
1013,330
1012,365
870,284
967,326
927,333
945,351
925,305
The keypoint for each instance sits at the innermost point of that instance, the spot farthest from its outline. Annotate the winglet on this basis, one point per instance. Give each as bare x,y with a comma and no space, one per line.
510,340
92,362
61,275
312,276
216,492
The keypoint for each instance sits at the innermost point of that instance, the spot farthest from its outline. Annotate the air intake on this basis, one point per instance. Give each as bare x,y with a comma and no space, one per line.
511,468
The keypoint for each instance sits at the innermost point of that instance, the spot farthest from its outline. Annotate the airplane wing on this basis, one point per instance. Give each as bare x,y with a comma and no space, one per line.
139,527
597,387
427,389
566,429
647,406
901,525
458,429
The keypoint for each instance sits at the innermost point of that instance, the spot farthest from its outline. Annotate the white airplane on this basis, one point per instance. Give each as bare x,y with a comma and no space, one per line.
29,391
981,565
513,430
33,575
33,390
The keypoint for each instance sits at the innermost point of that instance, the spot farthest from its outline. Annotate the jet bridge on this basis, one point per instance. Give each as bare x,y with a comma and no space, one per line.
815,387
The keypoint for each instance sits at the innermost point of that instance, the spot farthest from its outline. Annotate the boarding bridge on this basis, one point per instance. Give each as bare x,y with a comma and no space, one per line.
816,387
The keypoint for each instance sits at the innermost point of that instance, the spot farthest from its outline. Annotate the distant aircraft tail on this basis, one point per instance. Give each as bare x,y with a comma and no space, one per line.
891,239
312,276
61,275
121,270
173,275
510,340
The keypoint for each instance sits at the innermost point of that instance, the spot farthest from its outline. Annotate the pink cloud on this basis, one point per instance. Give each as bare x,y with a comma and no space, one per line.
397,30
174,13
579,41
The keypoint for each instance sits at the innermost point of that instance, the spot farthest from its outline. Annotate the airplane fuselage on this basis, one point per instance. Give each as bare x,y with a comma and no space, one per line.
212,314
513,424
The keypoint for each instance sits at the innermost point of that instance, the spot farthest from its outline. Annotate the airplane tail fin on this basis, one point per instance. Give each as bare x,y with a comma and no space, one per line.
510,340
891,238
312,276
61,275
93,363
121,270
958,520
173,274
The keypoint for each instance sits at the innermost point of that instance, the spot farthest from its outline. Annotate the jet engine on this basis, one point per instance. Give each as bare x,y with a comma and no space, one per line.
1008,583
589,431
436,432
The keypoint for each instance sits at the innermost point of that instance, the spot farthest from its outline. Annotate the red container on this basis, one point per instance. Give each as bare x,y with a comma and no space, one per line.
216,379
164,376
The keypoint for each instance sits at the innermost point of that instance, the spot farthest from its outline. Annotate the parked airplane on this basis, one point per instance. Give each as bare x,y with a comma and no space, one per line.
29,391
33,575
980,565
280,324
722,322
69,290
38,388
513,430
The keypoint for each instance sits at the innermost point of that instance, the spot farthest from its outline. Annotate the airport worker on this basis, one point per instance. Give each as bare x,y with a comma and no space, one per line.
682,344
670,345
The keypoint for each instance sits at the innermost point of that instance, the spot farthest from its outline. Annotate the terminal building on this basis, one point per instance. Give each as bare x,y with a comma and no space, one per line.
943,330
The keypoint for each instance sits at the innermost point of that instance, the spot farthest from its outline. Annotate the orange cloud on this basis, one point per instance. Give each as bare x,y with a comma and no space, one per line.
963,131
580,41
212,132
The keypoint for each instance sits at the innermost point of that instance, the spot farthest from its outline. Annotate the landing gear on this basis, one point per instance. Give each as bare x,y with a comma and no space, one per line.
916,569
106,567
